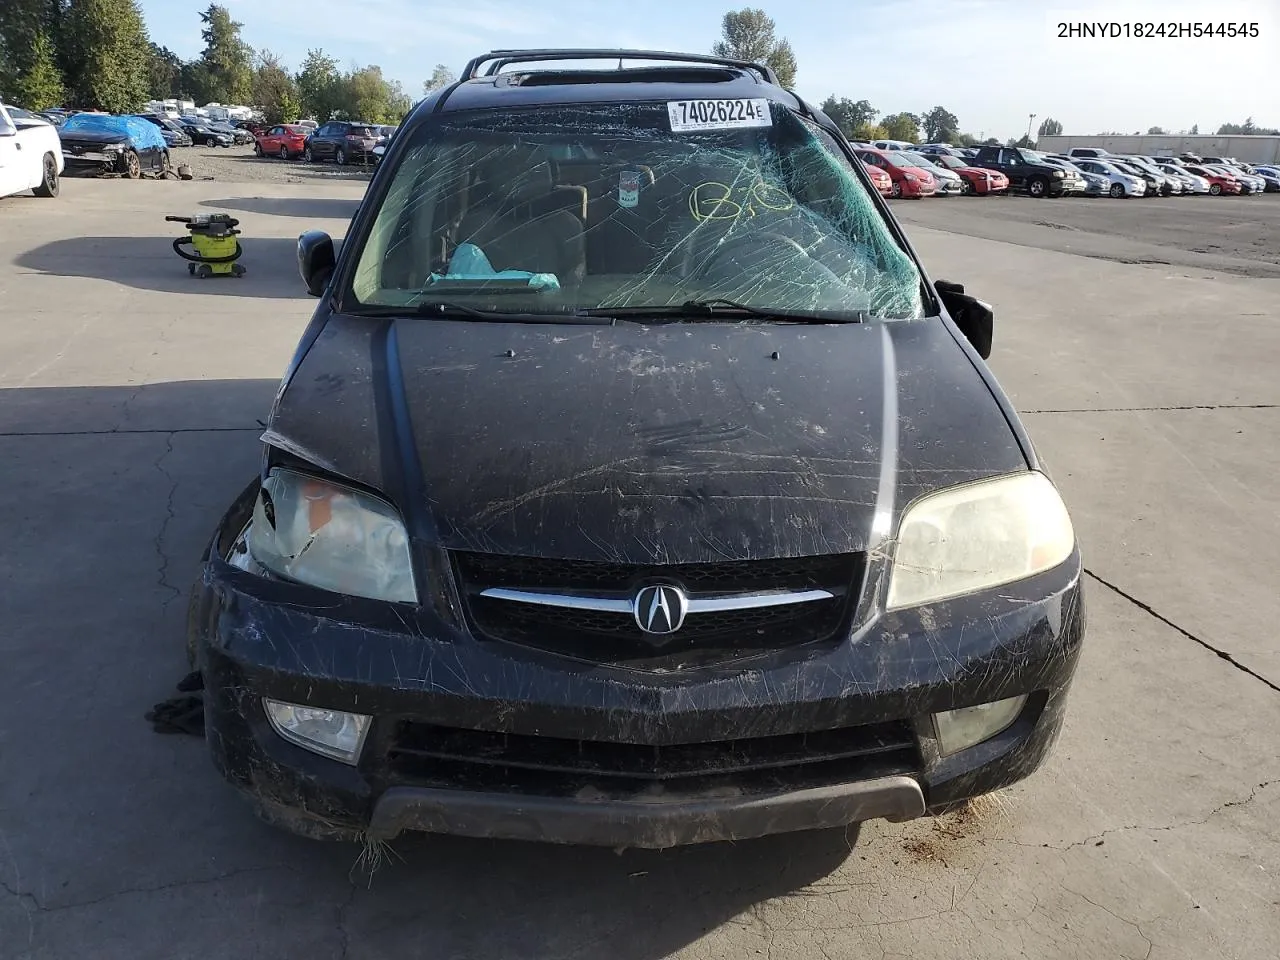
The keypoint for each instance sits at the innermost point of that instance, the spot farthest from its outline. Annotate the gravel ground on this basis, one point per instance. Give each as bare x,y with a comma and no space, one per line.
238,164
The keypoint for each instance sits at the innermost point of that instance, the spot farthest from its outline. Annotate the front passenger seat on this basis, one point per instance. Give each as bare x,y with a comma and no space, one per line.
515,216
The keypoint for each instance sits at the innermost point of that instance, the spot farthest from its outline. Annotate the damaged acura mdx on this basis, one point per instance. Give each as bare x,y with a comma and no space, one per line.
632,485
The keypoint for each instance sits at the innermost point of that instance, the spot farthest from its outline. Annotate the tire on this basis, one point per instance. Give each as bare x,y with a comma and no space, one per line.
257,150
49,185
897,190
966,188
340,158
1215,189
132,165
307,155
1038,187
284,153
1116,190
165,165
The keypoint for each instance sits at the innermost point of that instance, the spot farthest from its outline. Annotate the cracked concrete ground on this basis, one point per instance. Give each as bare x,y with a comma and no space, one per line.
129,396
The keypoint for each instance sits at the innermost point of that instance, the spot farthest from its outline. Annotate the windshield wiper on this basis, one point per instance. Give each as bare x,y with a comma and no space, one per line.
722,308
460,311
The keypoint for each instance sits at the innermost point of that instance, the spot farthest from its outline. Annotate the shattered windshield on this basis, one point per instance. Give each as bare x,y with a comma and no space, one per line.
562,209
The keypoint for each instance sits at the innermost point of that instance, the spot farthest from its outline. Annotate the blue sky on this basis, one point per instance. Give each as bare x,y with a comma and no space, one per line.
990,62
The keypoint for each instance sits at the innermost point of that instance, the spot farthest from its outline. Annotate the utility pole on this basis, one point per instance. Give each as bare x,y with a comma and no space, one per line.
1029,123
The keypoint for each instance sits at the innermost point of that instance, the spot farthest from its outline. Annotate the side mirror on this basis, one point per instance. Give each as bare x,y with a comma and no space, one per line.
316,260
974,318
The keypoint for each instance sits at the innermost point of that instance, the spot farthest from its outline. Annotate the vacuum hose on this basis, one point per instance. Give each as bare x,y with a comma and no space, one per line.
179,243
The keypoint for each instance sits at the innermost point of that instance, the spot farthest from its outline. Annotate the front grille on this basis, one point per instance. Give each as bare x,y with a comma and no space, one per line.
474,759
616,638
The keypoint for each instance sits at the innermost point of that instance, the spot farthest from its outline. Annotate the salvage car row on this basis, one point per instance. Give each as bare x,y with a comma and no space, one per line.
939,169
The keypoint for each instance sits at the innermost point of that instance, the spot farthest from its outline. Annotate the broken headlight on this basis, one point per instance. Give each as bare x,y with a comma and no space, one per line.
977,536
331,536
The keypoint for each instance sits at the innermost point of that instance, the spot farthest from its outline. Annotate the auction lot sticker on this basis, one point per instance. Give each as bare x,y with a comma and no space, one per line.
718,114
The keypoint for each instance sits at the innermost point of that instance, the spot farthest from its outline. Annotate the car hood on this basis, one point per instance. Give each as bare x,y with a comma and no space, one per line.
640,444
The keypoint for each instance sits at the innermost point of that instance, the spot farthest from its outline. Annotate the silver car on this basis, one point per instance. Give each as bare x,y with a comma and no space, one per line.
1119,182
1169,186
949,182
1094,185
1190,182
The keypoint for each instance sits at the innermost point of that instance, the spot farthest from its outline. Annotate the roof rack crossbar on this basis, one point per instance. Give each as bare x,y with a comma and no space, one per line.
503,58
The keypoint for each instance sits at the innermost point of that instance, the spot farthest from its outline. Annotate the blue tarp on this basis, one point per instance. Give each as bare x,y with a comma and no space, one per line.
142,133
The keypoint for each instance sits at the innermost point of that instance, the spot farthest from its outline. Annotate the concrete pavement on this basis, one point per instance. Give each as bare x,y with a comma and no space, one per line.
129,395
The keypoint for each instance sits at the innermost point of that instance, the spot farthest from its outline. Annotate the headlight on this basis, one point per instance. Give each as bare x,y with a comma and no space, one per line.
978,536
333,537
910,176
113,147
1059,173
960,729
331,733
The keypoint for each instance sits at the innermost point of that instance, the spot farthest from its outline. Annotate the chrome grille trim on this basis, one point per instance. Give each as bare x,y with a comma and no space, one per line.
697,604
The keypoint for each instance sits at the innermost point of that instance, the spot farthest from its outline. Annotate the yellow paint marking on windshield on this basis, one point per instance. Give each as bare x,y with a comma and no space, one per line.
714,201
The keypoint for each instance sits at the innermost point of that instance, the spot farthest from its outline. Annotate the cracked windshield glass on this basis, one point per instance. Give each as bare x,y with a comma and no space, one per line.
556,210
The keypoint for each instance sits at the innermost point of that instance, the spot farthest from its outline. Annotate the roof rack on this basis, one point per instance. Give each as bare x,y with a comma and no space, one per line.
504,58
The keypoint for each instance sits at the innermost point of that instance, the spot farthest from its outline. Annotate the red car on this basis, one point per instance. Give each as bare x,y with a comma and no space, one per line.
908,181
1218,183
883,182
285,141
974,179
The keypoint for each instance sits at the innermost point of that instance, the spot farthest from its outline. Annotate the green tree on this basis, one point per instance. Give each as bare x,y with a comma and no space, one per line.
750,34
164,72
41,87
318,85
966,140
902,126
275,92
940,125
1024,141
107,43
868,132
1049,127
1156,131
224,72
365,94
1195,129
22,23
849,115
441,76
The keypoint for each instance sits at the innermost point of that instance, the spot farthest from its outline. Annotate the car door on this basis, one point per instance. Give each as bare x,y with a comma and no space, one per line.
11,176
1011,165
272,139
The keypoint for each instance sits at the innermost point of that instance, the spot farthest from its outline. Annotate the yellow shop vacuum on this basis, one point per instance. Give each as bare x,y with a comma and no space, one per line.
213,243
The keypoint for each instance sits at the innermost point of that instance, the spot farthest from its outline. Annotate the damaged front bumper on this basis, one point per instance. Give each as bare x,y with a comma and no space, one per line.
490,739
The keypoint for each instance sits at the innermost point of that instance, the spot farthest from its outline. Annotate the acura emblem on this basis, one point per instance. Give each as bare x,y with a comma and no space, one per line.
660,608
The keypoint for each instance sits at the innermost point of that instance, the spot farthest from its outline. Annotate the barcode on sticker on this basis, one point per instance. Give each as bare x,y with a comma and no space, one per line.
718,114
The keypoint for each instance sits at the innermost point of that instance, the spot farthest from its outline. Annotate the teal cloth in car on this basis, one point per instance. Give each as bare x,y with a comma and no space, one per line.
469,263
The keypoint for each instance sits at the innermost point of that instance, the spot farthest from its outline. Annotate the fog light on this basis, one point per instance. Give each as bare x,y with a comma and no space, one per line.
331,733
959,729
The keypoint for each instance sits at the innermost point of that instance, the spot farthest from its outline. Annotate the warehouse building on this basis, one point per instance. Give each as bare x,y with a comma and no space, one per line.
1249,149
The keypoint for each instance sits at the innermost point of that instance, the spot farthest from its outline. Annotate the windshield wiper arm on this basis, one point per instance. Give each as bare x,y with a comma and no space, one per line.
460,311
720,307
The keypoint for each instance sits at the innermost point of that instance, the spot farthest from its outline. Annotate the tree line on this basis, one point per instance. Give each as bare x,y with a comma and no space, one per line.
98,55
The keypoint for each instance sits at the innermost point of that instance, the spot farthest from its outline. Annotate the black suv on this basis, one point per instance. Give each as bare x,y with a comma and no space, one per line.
1024,170
341,141
204,135
632,485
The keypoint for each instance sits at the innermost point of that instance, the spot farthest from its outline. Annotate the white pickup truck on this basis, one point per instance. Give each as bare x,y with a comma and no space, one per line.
30,155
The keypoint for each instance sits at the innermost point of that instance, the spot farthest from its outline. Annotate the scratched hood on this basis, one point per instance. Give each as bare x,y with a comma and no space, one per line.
673,443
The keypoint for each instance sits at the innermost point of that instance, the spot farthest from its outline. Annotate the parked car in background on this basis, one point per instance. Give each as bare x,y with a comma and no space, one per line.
1191,184
30,154
173,132
883,182
949,182
113,144
1219,183
1271,175
893,144
341,141
908,179
1073,182
1169,186
1120,183
203,135
286,141
1025,170
1090,152
1249,184
1089,184
940,149
1155,182
977,180
238,135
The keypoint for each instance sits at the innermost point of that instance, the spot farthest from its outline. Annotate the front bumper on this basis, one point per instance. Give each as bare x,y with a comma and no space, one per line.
428,684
